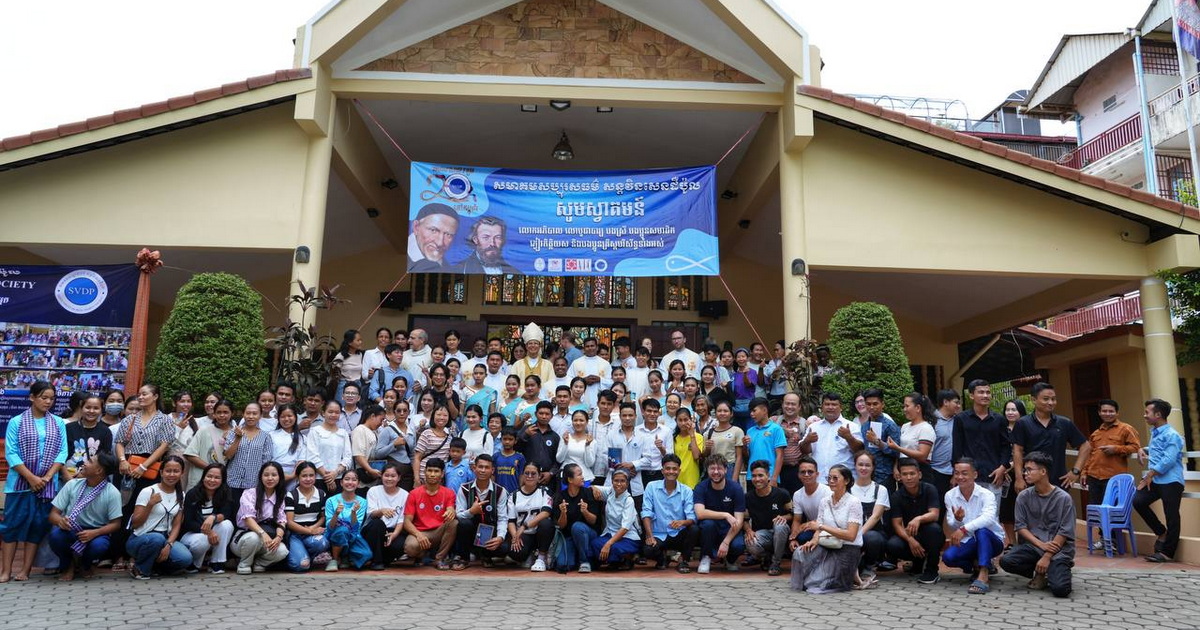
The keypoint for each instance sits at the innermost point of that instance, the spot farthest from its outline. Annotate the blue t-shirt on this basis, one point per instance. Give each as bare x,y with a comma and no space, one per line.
457,474
508,470
731,498
763,442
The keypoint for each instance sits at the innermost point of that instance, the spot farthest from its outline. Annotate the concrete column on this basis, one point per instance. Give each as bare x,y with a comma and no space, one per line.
311,228
797,320
1161,368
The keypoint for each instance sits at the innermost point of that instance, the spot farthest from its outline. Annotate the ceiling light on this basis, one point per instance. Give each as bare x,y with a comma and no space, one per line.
389,184
604,110
529,108
562,150
560,106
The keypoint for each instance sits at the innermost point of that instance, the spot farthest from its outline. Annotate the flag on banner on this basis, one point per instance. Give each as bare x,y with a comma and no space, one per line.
1187,26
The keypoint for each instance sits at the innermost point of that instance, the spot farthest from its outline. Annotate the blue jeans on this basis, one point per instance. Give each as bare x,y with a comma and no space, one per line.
976,551
61,541
712,532
144,550
302,549
578,544
629,545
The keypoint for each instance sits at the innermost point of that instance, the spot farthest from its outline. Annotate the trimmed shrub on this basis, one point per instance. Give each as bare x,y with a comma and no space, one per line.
212,341
865,345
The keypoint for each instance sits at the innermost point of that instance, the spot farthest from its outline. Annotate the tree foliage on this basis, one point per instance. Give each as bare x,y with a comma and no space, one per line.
212,341
1183,290
866,348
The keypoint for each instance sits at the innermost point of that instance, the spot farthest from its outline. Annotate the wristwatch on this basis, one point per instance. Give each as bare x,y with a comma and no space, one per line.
1075,471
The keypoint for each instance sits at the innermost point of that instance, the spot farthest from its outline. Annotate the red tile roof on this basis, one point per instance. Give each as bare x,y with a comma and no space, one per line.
1000,151
145,111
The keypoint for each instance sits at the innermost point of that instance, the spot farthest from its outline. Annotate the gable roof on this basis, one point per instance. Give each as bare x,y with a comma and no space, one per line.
1023,168
1053,92
153,109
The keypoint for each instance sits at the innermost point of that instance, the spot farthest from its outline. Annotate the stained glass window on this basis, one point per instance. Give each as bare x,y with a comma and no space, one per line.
678,293
439,288
557,291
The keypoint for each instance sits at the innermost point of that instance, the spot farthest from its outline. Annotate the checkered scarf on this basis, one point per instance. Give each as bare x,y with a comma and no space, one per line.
89,494
37,462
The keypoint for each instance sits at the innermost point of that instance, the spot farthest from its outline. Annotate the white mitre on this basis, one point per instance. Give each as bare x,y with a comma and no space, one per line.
533,332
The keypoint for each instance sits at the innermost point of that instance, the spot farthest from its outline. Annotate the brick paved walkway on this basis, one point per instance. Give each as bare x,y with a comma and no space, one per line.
424,598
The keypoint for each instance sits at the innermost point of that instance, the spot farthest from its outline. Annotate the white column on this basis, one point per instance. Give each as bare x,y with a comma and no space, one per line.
1161,367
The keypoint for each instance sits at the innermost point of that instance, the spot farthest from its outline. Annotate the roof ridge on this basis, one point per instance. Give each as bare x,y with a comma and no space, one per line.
975,142
151,109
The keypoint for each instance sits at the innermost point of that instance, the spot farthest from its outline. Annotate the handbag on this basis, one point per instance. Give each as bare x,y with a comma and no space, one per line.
829,541
151,473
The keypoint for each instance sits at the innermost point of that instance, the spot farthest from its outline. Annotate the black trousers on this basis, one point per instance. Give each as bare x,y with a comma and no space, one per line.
683,542
1023,558
464,541
1171,495
930,536
537,539
375,533
789,477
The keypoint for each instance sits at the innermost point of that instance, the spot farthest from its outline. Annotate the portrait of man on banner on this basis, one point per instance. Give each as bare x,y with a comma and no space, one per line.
433,232
487,238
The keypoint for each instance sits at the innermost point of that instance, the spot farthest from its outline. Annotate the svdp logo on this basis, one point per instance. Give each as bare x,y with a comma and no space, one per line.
81,291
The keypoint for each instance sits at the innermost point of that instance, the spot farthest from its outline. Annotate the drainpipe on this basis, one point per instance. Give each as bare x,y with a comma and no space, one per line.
955,378
1147,143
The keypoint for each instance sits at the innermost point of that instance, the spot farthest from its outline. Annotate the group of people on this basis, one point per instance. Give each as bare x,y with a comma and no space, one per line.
600,466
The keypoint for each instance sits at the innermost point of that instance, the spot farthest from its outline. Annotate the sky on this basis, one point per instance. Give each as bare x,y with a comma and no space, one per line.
72,59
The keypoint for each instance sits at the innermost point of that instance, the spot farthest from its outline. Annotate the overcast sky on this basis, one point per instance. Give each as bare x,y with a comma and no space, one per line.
73,59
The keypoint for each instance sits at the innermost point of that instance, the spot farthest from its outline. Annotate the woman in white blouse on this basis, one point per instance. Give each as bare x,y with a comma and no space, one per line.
288,446
578,446
875,504
384,529
917,435
329,446
829,562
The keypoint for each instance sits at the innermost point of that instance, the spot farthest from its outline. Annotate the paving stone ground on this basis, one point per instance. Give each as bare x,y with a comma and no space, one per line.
1103,598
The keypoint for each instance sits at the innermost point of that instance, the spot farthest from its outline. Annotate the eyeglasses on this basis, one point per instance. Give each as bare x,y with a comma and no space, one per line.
530,474
806,473
832,478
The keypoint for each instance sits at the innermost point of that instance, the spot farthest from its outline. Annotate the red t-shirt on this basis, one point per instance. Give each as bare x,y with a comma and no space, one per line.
427,512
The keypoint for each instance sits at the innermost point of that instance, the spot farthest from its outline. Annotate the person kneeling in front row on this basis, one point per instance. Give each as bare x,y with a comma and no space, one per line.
84,514
977,537
1045,521
669,517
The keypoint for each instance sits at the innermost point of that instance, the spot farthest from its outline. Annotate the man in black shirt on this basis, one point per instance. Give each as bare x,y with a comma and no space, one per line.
1049,433
915,511
770,514
539,444
982,435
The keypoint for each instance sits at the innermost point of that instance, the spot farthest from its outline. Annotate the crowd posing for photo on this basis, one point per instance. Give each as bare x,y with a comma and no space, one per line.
566,461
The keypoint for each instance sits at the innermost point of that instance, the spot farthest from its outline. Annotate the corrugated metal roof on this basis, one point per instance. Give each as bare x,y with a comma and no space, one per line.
1157,17
1074,57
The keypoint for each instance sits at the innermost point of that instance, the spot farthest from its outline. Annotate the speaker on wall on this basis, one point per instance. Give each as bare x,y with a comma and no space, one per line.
714,308
399,300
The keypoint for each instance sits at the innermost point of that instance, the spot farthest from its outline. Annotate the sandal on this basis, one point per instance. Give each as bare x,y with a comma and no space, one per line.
683,567
869,583
443,565
978,587
458,564
119,567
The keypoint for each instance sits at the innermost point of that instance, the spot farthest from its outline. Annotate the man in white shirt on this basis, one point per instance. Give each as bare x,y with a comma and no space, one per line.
495,375
562,377
478,356
593,369
691,360
831,439
560,422
656,442
624,351
777,382
417,358
806,503
977,536
605,422
376,358
637,377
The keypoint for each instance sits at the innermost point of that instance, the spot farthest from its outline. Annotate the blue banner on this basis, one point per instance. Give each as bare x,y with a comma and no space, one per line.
66,325
474,220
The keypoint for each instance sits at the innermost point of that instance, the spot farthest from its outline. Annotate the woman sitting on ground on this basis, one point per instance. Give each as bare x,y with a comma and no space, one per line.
344,516
829,562
208,517
261,513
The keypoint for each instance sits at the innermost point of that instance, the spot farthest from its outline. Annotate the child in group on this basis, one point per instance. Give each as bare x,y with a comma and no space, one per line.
509,463
458,469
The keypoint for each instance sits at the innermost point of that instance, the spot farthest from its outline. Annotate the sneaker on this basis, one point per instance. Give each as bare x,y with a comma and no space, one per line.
258,568
1038,582
538,566
216,568
705,565
378,566
774,570
731,566
887,566
191,570
244,570
585,567
1098,545
332,566
322,558
139,576
530,561
929,577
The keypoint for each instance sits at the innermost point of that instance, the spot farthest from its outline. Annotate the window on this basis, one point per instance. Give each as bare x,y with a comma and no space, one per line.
678,293
1110,103
1159,59
439,288
614,292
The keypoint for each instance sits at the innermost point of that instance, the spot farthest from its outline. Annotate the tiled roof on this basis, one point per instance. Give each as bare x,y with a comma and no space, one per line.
145,111
1000,151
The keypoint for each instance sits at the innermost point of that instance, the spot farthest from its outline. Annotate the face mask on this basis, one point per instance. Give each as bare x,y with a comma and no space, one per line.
114,409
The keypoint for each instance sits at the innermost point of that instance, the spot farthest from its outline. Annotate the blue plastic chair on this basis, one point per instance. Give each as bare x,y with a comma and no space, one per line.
1114,516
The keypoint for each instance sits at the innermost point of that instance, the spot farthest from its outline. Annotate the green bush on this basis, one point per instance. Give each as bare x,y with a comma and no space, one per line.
212,341
865,346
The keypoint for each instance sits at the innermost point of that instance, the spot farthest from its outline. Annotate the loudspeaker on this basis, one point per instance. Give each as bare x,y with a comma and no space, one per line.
399,300
714,308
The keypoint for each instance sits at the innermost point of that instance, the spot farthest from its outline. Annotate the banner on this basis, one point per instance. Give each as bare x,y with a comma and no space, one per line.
473,220
66,325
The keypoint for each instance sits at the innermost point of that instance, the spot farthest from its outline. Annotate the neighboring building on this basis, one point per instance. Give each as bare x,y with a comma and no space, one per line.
1129,132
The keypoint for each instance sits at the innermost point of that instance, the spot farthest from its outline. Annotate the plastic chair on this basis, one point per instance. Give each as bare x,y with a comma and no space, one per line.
1113,516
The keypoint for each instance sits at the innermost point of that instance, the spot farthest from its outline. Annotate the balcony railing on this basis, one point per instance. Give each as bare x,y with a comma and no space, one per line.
1112,312
1173,96
1117,137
